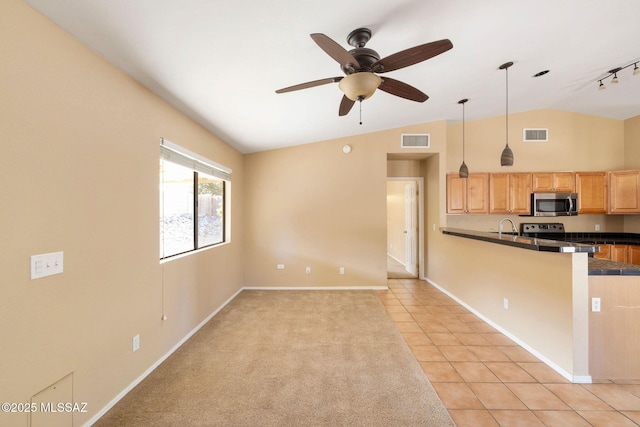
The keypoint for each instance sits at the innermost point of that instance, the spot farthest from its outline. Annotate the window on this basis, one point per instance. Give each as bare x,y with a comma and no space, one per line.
193,208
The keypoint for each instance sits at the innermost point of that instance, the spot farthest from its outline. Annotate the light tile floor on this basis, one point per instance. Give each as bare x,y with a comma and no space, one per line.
485,379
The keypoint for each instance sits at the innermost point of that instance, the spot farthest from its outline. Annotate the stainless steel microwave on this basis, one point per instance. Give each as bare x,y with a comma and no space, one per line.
554,204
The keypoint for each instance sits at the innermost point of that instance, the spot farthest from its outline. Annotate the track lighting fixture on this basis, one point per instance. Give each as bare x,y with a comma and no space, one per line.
464,170
614,72
506,159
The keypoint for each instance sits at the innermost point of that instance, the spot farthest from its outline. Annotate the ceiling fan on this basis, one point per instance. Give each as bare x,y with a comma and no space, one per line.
362,65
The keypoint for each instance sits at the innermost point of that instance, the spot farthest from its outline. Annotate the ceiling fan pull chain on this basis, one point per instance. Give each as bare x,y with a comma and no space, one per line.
360,99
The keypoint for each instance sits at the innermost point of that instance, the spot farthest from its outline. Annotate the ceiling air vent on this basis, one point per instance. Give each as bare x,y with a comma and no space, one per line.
535,135
415,141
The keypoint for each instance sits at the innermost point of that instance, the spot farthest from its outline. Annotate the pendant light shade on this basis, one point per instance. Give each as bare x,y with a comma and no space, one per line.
464,170
506,159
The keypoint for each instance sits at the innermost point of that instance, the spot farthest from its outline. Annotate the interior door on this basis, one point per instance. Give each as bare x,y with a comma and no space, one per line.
411,227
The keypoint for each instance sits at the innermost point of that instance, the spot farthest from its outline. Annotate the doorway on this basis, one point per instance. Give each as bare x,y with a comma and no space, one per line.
403,219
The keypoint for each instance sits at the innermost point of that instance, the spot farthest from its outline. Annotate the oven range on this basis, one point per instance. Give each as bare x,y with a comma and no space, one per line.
543,230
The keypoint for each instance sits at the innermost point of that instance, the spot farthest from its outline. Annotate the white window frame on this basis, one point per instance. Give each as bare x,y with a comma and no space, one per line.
175,153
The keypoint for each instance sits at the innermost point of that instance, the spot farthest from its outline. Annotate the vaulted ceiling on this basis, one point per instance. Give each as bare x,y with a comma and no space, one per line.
221,62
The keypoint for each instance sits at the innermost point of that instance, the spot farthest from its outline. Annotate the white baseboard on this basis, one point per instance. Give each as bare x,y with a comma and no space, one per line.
577,379
146,373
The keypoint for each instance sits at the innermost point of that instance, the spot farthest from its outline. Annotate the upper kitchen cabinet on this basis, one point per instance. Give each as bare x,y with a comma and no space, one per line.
624,192
593,192
554,182
468,195
510,193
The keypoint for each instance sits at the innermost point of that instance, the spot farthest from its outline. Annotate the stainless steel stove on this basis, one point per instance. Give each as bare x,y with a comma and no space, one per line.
543,230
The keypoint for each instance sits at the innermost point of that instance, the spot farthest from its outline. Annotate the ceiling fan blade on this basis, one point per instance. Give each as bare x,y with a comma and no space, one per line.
412,56
345,106
337,52
309,84
403,90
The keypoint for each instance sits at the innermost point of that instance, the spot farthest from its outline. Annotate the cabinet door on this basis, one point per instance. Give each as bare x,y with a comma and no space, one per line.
605,252
456,194
520,193
478,193
564,182
542,181
624,192
499,193
593,189
633,254
554,181
619,253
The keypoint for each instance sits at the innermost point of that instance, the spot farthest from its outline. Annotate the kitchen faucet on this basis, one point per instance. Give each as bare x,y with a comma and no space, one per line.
513,226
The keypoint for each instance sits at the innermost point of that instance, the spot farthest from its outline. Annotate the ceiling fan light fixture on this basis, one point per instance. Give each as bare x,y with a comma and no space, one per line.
360,86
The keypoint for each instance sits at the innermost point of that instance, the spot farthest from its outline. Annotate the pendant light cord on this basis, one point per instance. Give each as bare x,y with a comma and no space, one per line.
506,70
463,132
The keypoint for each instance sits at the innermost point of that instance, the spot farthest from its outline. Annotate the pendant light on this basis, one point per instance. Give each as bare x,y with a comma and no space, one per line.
506,159
464,170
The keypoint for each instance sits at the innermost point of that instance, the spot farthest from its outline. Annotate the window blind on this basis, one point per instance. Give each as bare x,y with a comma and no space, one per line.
179,155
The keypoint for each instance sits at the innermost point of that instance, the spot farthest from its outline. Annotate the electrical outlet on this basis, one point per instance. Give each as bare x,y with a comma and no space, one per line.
136,343
505,304
280,266
597,227
308,270
595,304
341,270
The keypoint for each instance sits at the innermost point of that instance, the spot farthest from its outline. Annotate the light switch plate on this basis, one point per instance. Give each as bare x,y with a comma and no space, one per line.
46,264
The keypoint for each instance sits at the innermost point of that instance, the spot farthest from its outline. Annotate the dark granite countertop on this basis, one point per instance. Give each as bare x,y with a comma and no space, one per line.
603,267
597,267
531,243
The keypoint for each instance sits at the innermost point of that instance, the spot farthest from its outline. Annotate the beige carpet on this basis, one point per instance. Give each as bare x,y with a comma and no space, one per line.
288,358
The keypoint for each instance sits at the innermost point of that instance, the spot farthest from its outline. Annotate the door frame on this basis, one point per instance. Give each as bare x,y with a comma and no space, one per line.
421,229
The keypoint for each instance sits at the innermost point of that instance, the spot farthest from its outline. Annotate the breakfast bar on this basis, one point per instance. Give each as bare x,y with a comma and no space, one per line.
558,301
596,267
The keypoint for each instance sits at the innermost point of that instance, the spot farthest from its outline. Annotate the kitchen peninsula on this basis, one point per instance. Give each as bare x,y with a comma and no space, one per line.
538,292
596,267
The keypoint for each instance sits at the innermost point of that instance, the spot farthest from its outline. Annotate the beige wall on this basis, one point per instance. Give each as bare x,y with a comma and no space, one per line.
632,143
632,161
313,206
79,170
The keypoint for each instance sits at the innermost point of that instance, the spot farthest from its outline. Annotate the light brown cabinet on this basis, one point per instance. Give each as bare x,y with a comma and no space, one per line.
468,195
633,254
624,192
510,193
619,253
554,182
593,192
605,252
629,254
